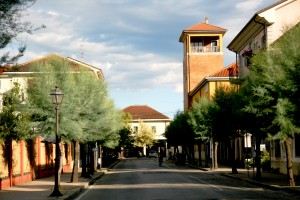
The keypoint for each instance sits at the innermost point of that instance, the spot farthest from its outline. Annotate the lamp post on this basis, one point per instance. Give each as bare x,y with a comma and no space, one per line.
247,144
57,96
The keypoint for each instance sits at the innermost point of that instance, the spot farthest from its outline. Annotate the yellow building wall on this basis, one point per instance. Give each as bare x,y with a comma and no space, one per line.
208,89
3,163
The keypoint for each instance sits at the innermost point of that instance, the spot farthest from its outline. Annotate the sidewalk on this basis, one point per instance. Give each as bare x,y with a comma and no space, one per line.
268,180
40,189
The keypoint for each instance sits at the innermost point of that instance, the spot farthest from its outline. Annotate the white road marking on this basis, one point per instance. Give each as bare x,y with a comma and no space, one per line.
206,183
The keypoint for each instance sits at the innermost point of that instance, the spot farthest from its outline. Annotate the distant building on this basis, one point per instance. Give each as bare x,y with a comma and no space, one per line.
153,119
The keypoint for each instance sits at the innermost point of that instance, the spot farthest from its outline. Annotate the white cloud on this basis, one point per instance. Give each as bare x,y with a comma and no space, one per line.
53,13
135,43
249,5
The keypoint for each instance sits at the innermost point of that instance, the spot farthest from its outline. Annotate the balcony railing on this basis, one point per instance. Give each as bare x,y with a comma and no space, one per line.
205,49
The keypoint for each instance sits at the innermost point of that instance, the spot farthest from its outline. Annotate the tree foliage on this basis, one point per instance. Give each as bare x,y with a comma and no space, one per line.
11,25
126,139
180,132
86,113
144,136
274,86
200,119
14,120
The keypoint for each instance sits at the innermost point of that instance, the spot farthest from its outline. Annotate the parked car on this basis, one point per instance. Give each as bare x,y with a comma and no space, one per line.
152,153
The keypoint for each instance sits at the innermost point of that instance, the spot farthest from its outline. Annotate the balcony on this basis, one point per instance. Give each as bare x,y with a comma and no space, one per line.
204,49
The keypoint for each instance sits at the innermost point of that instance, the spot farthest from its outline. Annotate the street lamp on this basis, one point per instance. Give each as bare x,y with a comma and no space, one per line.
57,96
247,145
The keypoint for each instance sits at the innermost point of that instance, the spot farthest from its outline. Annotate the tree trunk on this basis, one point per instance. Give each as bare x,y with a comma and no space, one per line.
216,155
83,160
31,151
10,162
100,157
289,163
199,151
91,158
74,177
232,157
257,158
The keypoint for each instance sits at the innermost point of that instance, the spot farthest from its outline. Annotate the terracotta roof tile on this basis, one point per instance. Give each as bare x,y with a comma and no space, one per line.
75,65
230,70
144,112
205,27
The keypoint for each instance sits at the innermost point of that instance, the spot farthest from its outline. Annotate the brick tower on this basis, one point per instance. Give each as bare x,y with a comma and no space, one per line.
202,55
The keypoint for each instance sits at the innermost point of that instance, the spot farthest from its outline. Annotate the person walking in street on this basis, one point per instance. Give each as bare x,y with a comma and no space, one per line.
161,158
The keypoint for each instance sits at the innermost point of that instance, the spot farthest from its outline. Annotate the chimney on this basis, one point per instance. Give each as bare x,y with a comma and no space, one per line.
206,20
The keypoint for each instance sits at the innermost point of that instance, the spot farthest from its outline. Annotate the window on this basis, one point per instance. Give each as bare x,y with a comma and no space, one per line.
135,129
197,46
297,145
214,46
263,41
206,87
153,129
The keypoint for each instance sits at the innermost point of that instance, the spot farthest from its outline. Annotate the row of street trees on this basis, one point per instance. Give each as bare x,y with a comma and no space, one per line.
266,104
87,114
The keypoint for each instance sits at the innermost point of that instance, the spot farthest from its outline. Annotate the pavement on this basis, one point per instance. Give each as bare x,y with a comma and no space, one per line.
40,189
273,181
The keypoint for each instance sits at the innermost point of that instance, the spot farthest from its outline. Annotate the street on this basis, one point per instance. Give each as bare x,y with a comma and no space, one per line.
142,178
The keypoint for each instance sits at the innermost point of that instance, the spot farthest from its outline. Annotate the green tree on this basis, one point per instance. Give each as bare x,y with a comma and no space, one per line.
180,133
14,122
225,117
86,113
217,119
11,25
201,121
144,136
125,132
274,82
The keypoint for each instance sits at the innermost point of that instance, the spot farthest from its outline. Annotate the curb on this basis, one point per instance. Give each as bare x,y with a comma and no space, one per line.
272,187
91,182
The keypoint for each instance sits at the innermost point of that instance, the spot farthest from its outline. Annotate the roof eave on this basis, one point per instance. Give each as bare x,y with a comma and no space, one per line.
209,79
253,25
185,32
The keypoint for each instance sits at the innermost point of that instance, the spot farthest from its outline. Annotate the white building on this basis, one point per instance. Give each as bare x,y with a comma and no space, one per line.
264,28
155,120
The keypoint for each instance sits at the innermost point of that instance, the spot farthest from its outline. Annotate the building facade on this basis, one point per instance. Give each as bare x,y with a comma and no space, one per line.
154,120
264,28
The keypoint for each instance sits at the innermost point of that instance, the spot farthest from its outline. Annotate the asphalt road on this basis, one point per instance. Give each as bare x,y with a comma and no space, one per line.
143,179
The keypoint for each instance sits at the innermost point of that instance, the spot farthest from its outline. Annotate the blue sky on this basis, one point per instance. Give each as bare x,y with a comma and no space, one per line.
134,42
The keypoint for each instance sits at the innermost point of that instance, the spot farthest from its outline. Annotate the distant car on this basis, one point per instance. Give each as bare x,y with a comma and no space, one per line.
152,153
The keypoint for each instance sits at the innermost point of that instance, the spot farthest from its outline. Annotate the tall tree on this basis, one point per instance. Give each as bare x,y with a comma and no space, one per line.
274,80
86,113
144,136
14,122
11,25
226,119
201,122
180,133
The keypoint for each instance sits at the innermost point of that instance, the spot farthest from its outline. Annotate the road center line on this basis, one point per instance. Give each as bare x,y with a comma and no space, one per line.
206,183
